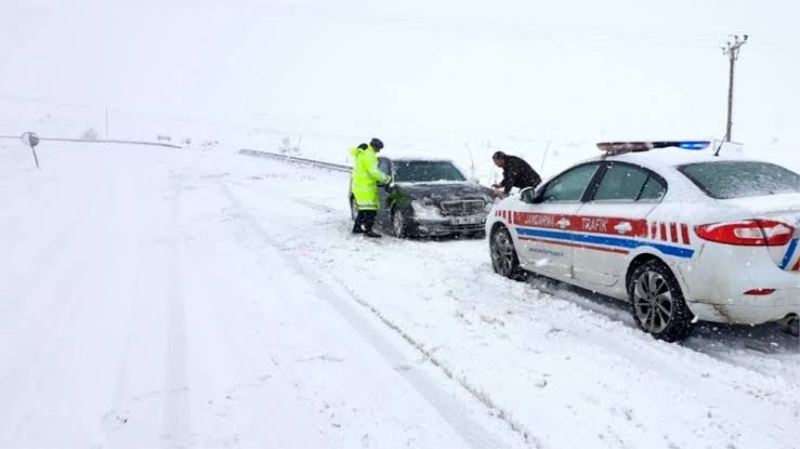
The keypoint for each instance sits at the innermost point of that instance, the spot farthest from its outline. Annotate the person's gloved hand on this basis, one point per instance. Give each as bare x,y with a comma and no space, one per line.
499,192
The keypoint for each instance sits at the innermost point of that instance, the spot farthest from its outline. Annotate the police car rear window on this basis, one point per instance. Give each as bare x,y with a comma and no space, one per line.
741,179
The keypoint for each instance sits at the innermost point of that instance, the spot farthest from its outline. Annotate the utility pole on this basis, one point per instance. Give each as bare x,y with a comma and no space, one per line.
731,49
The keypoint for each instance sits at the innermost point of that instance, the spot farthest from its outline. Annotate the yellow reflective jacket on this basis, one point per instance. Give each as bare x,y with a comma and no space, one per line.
366,177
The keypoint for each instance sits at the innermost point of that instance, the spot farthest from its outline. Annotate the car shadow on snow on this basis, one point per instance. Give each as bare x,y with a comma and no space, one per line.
713,339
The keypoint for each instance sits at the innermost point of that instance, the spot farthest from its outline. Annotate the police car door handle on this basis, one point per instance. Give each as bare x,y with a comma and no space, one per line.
623,227
563,223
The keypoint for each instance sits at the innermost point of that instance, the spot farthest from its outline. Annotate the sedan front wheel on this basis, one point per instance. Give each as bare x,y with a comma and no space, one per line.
399,225
353,208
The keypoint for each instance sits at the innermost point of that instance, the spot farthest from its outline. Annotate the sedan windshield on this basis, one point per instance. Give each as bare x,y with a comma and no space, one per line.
740,179
426,171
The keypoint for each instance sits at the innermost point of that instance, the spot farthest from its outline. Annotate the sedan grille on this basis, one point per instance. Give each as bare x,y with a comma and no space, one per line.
464,207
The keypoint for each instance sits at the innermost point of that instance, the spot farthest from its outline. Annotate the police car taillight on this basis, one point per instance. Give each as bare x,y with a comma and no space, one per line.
747,233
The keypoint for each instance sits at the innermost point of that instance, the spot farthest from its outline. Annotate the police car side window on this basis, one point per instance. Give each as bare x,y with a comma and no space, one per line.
570,185
653,190
624,182
621,182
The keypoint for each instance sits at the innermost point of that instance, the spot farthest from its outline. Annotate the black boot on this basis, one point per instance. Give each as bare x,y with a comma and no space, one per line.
369,222
358,226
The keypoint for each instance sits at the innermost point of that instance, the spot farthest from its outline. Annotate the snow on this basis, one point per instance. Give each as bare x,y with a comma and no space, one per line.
767,204
205,299
457,80
677,156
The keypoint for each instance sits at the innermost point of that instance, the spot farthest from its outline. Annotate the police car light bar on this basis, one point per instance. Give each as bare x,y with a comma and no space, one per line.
625,147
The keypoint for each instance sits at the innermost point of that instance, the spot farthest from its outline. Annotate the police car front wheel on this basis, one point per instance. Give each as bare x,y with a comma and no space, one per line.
504,255
657,302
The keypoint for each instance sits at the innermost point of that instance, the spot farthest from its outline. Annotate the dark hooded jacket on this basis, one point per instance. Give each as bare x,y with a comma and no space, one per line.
518,173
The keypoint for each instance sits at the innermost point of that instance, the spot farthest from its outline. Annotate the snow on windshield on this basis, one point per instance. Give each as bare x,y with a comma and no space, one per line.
426,171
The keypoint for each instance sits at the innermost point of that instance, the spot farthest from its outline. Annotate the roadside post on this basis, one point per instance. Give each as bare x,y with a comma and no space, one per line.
31,139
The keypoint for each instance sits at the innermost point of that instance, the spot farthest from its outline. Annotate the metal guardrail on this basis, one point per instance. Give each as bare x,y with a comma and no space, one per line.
124,142
296,160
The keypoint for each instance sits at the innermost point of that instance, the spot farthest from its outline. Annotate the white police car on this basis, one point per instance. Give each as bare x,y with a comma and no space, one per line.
681,233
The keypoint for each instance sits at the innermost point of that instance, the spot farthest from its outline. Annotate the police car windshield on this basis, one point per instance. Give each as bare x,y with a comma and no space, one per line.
426,171
740,179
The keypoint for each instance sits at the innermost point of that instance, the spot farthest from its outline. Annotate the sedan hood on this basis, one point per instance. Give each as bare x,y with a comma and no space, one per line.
445,191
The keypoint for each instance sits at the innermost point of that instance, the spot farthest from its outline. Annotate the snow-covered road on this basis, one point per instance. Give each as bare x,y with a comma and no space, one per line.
182,299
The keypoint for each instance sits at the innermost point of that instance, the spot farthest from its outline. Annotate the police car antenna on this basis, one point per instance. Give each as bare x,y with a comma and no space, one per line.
719,148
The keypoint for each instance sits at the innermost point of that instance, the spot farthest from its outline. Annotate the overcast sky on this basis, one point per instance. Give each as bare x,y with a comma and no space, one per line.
544,70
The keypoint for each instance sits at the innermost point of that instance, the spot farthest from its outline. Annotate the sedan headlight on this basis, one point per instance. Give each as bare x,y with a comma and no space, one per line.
426,210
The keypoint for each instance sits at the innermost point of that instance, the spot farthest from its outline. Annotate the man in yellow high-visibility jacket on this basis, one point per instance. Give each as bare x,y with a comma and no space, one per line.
366,178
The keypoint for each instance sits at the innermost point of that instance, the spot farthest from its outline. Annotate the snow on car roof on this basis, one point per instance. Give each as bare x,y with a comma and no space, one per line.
674,156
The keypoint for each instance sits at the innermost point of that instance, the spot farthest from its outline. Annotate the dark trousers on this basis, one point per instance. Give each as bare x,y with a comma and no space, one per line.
365,220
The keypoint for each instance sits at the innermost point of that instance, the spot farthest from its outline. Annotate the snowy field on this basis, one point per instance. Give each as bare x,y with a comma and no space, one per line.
183,299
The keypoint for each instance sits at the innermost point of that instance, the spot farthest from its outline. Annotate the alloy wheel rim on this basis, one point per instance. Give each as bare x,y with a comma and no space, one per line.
397,221
502,253
653,302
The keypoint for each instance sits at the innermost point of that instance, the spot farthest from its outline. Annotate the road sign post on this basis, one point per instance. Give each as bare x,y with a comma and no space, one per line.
31,139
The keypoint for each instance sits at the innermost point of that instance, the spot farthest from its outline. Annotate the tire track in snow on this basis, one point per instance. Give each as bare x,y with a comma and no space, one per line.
31,364
49,258
473,433
176,422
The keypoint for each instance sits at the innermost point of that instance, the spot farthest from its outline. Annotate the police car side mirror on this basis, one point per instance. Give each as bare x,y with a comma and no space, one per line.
528,195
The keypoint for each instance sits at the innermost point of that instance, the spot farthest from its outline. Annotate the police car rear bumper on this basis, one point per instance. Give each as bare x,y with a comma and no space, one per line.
748,309
745,287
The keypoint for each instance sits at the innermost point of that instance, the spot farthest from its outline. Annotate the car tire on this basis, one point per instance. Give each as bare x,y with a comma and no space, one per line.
504,256
399,224
657,302
792,327
353,208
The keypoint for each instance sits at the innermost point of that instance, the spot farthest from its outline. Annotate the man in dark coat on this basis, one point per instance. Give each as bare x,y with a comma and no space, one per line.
516,173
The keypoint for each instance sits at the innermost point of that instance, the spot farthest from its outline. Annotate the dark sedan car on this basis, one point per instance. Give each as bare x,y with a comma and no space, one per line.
431,198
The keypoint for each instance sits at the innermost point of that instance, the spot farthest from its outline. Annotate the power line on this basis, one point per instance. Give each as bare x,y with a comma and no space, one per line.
731,49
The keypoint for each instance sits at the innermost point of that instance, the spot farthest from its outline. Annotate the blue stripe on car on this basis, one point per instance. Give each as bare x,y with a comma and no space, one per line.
603,240
789,254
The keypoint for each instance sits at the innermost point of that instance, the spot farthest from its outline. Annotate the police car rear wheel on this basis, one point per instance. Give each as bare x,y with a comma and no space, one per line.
504,256
657,302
